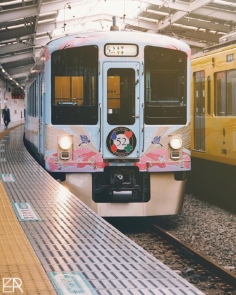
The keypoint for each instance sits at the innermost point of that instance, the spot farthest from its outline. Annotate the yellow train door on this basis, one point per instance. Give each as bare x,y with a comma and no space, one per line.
199,111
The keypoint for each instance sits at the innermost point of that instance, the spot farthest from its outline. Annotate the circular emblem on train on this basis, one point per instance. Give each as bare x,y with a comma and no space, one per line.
121,141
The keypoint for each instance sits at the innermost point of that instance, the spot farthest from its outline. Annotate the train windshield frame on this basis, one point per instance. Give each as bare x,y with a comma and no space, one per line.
165,86
74,78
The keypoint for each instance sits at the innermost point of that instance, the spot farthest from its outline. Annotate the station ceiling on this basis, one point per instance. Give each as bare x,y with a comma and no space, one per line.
27,25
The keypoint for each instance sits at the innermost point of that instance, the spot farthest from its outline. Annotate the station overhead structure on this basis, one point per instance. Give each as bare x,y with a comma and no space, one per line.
26,26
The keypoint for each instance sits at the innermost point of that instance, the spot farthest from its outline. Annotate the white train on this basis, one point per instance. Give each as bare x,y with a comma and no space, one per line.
109,113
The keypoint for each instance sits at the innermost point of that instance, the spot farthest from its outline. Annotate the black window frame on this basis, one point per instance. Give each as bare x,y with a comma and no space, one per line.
71,113
172,111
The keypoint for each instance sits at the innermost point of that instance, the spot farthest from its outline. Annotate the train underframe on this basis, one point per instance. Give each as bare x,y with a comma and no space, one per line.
128,192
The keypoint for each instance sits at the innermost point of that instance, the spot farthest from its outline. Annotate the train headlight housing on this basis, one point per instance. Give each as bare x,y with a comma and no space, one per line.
175,142
65,143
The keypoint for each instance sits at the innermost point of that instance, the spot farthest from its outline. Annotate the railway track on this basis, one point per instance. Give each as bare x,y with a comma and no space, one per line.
227,277
206,275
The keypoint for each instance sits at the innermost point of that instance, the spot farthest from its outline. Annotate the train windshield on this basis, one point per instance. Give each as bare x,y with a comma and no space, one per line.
74,86
165,86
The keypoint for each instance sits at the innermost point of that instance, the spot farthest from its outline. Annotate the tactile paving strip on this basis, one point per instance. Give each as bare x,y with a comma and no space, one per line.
17,258
72,238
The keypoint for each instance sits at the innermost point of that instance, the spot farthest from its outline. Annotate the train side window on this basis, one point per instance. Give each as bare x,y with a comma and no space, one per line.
220,94
32,99
41,97
225,89
165,86
231,92
209,95
74,86
36,98
199,93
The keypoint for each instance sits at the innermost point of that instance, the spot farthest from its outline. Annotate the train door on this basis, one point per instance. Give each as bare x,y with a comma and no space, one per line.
120,121
39,115
199,111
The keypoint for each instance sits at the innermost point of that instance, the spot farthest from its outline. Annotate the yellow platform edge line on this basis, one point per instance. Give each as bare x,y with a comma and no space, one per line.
18,261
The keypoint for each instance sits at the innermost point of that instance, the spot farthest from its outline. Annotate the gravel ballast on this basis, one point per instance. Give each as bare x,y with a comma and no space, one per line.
206,228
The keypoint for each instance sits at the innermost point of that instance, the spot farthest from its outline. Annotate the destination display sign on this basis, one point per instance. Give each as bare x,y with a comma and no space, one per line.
121,50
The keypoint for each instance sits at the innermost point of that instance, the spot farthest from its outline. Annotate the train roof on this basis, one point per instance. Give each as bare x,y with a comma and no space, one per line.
226,42
120,37
215,49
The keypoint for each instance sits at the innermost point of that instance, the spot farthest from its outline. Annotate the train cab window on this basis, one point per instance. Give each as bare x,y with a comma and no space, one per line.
225,88
74,86
121,96
165,86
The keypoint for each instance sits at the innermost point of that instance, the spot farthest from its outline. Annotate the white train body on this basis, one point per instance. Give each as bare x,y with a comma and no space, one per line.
110,111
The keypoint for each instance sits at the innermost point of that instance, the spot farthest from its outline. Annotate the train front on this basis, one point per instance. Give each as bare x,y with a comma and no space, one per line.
120,126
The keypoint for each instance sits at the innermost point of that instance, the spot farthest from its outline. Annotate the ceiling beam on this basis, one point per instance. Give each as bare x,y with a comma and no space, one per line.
21,80
179,14
172,5
198,35
198,3
26,31
220,14
15,33
141,23
208,25
18,64
20,71
16,57
14,47
28,11
37,16
16,22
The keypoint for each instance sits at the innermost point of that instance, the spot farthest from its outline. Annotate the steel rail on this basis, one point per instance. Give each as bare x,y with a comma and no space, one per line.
215,268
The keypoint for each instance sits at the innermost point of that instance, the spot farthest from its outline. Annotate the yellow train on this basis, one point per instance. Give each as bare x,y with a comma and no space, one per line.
213,114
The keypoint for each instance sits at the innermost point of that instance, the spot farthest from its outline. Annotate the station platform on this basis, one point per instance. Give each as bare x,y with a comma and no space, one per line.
11,126
52,243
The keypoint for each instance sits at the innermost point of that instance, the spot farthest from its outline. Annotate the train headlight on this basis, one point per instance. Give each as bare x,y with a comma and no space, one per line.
65,143
176,142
